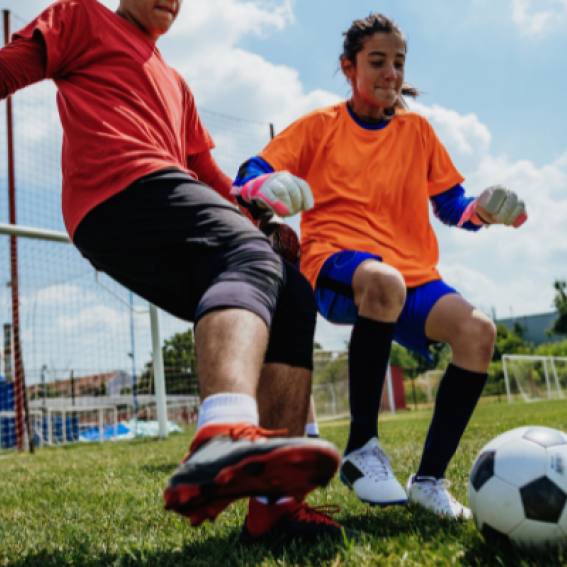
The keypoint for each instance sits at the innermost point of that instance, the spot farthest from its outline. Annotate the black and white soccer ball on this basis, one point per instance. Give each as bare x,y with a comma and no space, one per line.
518,487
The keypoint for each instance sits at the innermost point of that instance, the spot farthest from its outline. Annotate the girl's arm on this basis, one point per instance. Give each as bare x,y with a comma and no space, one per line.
495,205
284,239
248,171
22,63
452,207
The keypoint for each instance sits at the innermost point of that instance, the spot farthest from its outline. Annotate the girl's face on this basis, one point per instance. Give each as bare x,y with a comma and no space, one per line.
153,17
378,75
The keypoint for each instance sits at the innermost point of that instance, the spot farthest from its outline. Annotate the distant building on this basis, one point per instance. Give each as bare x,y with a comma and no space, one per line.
95,385
534,327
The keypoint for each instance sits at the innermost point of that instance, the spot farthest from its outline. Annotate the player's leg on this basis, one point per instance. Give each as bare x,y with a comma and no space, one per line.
471,335
283,400
357,288
181,246
230,345
311,427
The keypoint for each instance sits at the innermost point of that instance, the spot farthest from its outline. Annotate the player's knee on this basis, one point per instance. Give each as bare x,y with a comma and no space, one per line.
249,276
477,336
293,325
382,293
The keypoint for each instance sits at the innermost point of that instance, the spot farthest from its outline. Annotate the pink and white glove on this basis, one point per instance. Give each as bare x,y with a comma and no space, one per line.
280,192
496,205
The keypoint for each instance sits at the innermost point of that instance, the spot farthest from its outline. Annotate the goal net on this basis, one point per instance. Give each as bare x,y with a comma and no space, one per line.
84,342
532,378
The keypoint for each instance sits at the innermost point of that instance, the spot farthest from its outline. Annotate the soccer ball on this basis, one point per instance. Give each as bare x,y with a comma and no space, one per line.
518,487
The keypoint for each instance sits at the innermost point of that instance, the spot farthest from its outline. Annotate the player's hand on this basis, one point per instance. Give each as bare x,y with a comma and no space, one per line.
280,192
498,205
283,238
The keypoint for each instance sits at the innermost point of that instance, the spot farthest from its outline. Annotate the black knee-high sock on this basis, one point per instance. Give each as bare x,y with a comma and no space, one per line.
369,353
457,397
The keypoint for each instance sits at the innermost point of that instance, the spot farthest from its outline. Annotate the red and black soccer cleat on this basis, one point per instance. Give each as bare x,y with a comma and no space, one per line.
290,520
231,461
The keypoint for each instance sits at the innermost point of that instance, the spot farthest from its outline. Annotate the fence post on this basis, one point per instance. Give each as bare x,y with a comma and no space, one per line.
390,391
547,378
100,425
134,380
509,394
20,394
159,375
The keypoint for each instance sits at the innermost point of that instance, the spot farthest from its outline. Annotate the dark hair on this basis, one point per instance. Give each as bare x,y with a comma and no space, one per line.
358,33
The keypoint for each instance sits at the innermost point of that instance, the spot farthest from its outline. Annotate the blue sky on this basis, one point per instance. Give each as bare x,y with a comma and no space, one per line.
494,78
468,56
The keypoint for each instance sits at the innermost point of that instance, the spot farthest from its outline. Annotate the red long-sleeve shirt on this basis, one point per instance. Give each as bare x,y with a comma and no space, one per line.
125,112
22,63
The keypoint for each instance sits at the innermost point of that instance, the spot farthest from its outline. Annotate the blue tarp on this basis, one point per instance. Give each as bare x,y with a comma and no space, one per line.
6,396
8,424
108,432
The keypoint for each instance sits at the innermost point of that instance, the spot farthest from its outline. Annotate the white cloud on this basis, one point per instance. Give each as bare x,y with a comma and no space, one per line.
501,266
466,134
203,46
521,295
536,19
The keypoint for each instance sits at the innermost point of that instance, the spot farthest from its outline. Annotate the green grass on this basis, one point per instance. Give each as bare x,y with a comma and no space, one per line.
102,505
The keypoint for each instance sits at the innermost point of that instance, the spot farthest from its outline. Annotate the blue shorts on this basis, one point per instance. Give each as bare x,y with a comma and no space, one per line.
335,300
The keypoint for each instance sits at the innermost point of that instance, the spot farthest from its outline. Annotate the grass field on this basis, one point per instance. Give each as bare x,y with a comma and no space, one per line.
102,505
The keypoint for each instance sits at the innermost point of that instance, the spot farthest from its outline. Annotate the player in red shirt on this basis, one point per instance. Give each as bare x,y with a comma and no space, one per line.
146,203
370,253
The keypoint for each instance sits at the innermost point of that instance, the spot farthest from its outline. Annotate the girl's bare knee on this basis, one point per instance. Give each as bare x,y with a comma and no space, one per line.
380,292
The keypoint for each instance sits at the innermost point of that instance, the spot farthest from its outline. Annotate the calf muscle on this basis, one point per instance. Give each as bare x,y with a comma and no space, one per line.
230,347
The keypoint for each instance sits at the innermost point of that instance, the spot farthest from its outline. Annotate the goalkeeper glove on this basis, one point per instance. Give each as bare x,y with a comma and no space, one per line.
496,205
280,192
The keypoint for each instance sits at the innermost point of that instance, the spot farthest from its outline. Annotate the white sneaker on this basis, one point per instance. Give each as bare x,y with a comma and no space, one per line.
367,471
432,494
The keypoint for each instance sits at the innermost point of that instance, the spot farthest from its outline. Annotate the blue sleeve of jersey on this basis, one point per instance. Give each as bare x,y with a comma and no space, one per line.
450,205
249,170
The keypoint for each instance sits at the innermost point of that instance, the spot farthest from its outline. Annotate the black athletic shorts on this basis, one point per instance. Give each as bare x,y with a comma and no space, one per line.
178,244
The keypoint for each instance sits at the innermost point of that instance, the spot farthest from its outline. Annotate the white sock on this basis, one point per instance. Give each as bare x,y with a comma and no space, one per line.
312,429
264,500
228,408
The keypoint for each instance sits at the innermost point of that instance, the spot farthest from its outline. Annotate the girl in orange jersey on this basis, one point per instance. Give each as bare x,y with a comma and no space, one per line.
371,255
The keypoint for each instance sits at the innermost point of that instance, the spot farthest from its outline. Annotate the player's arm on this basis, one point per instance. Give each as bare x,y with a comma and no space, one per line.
258,187
206,169
208,172
248,171
284,239
22,63
496,205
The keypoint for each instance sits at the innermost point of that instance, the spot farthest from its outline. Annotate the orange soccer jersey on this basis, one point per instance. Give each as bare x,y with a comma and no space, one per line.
371,188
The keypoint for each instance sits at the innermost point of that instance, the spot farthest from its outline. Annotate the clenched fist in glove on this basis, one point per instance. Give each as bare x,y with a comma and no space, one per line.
285,241
280,192
496,205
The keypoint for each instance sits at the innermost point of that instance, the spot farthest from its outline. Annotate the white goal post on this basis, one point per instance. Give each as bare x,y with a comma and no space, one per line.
529,372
